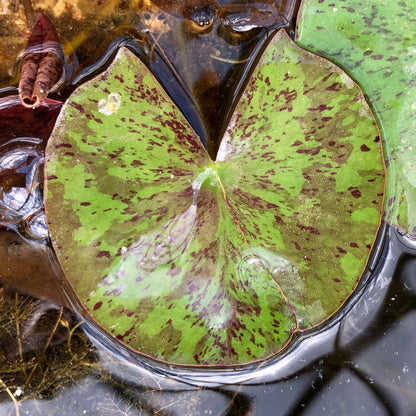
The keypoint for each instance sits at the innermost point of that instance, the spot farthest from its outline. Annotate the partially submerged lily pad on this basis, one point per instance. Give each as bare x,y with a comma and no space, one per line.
374,41
202,262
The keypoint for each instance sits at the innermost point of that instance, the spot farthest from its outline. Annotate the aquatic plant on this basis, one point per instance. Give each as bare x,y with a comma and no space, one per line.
203,262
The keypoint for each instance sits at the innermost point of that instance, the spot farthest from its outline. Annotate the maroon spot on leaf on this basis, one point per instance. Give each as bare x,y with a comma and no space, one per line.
174,271
321,107
136,163
349,9
312,230
85,204
279,220
66,145
116,291
51,177
103,253
364,148
336,86
341,250
313,151
356,193
77,106
306,176
336,280
97,305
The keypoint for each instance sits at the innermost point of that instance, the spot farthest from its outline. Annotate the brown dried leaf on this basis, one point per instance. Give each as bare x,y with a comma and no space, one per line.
41,63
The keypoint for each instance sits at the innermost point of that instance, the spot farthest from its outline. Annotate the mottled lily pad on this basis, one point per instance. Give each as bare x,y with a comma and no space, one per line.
375,42
202,262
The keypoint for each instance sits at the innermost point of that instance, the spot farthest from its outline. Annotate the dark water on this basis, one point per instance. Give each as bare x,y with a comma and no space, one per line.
361,363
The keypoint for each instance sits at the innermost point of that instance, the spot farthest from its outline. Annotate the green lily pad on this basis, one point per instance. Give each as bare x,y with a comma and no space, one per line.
375,42
202,262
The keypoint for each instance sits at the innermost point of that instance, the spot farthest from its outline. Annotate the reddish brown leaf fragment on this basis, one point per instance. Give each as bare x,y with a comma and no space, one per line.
17,121
41,63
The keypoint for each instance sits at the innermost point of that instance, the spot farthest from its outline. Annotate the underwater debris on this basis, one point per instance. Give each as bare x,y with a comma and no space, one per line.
42,63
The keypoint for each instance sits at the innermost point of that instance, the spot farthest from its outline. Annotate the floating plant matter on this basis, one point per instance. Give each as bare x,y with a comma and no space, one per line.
207,262
42,63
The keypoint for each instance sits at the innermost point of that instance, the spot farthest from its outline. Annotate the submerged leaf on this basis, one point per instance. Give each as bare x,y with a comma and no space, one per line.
376,43
19,121
195,261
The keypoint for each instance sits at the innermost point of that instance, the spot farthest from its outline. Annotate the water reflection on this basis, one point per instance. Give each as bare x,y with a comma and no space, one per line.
368,355
21,190
375,365
257,260
208,46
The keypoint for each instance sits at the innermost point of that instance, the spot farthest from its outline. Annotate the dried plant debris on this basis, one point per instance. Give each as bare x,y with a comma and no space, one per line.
42,63
41,347
63,376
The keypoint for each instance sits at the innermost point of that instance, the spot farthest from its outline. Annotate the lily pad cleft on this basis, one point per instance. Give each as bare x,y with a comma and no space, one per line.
195,261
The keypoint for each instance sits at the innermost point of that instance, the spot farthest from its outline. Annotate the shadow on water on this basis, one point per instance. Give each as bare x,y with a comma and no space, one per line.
380,340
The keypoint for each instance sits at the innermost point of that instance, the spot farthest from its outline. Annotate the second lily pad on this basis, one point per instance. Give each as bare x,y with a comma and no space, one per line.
201,262
375,42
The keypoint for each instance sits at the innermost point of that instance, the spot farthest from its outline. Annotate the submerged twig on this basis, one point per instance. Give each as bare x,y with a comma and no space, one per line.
42,63
15,402
48,342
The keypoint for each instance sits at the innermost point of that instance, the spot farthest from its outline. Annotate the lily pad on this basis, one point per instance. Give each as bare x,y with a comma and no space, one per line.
201,262
375,42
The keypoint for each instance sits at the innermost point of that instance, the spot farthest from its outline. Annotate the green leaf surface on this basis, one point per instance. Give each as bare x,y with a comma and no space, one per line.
202,262
375,42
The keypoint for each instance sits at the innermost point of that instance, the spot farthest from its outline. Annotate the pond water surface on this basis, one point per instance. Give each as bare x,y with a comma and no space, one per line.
361,362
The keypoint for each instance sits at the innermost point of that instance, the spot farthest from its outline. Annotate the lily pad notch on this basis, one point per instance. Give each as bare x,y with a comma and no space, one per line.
198,262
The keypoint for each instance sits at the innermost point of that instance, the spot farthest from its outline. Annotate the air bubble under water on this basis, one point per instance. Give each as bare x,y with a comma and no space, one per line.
257,260
21,189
